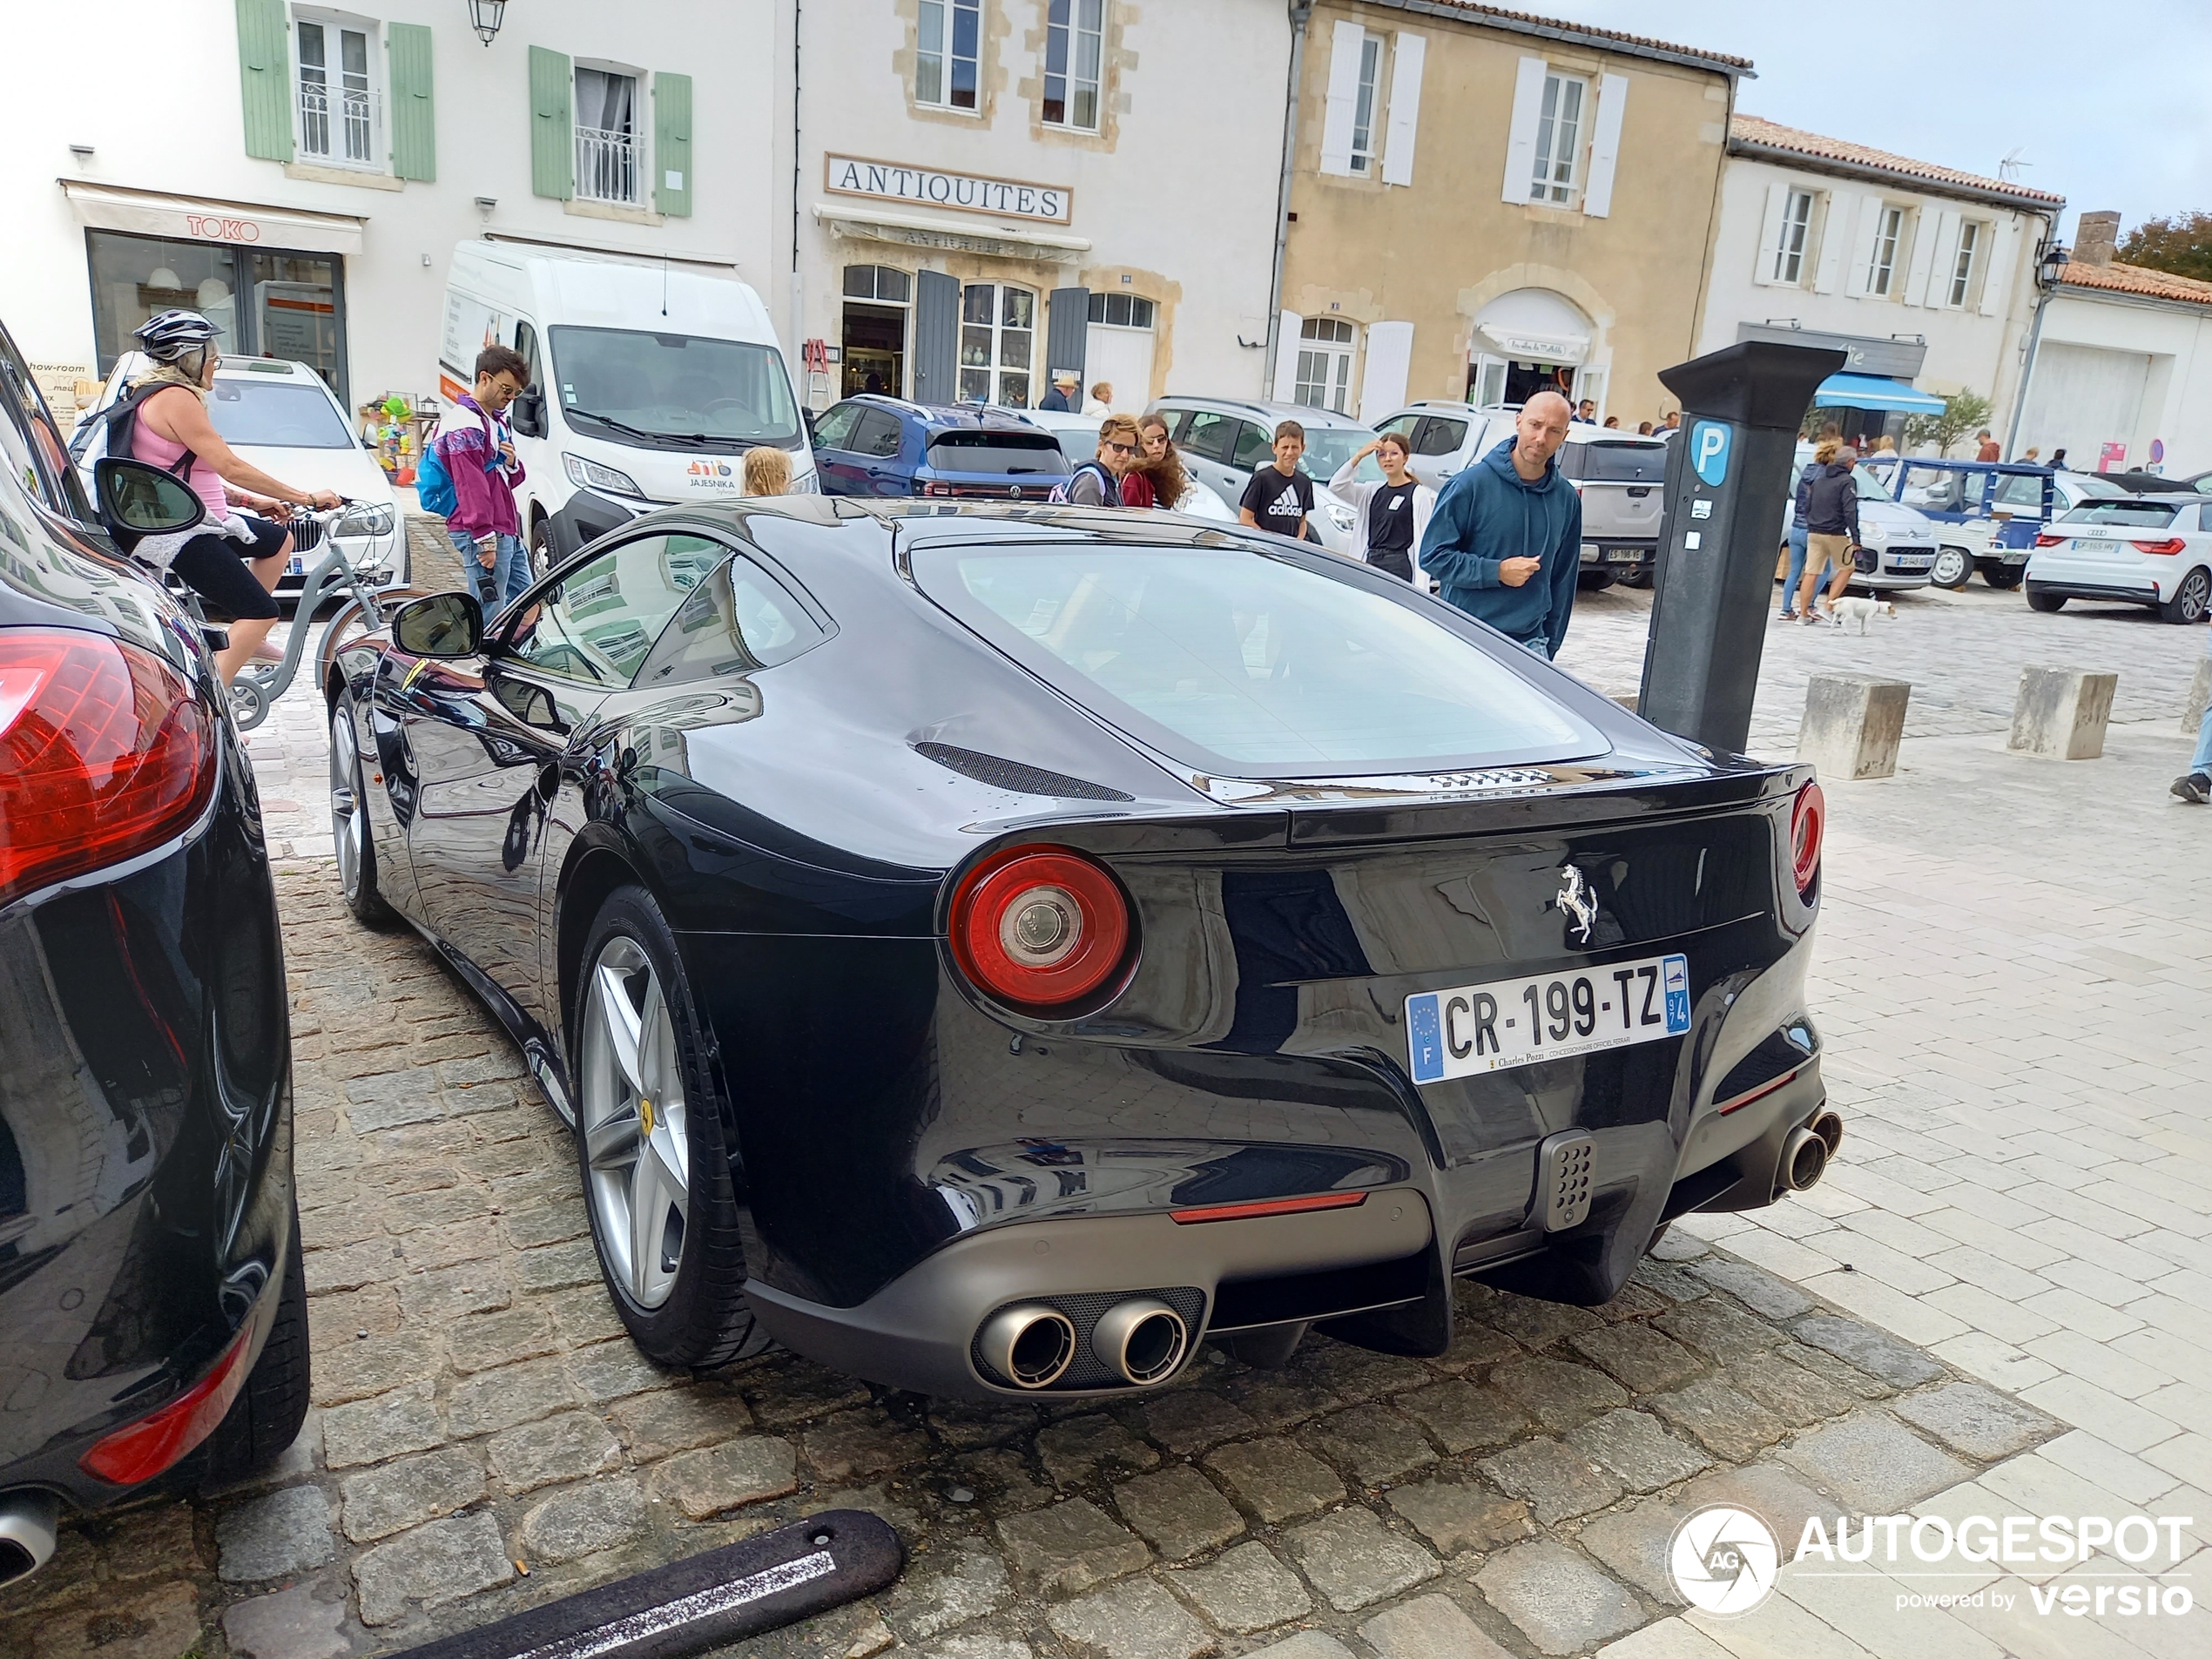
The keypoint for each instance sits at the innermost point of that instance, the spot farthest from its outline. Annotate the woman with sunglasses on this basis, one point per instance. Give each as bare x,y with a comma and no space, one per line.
1157,479
1098,482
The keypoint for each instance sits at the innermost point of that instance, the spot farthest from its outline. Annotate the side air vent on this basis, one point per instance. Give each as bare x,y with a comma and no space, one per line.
1002,773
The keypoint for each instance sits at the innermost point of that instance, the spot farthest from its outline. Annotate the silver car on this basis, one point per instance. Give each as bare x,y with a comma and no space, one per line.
1222,440
1897,543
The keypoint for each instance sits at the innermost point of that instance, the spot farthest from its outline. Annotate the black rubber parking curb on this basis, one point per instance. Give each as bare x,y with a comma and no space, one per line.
702,1600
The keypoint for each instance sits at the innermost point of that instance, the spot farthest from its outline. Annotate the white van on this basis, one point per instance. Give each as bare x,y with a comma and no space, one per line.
649,382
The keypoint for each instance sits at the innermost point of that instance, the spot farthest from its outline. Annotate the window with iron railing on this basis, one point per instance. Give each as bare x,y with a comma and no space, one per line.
336,97
608,165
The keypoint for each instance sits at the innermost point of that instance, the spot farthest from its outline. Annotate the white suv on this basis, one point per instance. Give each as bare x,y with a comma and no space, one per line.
2154,550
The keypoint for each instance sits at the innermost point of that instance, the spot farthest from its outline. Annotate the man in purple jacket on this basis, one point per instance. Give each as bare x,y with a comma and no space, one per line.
477,451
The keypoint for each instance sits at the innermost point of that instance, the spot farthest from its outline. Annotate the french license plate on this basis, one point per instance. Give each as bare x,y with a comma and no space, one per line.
296,565
1912,561
1623,554
1552,1016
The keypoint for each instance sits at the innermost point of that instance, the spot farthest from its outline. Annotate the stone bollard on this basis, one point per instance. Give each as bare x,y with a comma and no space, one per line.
2200,696
1852,724
2062,713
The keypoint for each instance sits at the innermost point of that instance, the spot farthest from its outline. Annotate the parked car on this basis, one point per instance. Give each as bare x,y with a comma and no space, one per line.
1078,438
153,1309
1620,476
285,419
913,905
2154,550
1223,439
1897,544
873,445
1987,513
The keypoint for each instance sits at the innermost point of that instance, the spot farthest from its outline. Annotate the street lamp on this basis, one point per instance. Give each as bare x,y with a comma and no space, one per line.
485,17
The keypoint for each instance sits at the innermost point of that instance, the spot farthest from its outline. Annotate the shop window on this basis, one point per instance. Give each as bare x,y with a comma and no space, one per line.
886,283
1074,48
608,159
1326,346
949,46
338,107
1121,310
872,338
1559,139
997,342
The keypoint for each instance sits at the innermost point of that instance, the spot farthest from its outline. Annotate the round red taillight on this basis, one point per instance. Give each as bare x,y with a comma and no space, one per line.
1039,926
1808,822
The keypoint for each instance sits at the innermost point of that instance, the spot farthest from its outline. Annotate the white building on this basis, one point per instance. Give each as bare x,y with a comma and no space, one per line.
991,189
2122,375
301,173
1925,274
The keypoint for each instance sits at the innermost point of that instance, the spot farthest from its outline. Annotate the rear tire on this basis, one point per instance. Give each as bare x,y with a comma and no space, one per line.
2191,600
2046,601
1953,568
677,1277
266,1417
349,832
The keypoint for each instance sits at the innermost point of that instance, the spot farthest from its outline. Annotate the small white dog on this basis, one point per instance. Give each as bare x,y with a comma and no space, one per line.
1862,611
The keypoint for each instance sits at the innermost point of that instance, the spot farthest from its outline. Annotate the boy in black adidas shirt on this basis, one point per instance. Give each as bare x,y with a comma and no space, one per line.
1280,498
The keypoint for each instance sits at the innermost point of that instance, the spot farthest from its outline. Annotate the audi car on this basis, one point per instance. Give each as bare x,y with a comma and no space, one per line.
153,1309
995,950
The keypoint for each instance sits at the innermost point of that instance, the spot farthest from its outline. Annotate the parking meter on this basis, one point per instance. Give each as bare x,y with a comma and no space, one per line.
1727,476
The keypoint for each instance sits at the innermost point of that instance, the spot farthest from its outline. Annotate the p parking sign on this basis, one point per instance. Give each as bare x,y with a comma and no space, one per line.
1709,443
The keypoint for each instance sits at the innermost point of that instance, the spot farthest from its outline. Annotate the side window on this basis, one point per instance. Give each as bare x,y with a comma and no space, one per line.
1403,425
877,435
1440,436
738,619
526,343
1210,435
834,429
598,623
2204,521
2019,492
1255,448
1178,420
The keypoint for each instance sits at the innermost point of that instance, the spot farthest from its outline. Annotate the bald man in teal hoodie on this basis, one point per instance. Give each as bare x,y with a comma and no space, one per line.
1505,540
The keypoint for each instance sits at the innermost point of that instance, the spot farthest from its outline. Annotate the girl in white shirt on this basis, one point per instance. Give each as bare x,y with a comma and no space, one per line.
1394,515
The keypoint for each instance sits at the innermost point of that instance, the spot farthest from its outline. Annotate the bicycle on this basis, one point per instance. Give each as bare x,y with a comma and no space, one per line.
365,609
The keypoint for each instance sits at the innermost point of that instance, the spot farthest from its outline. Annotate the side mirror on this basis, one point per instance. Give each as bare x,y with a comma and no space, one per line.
444,625
807,416
139,500
527,414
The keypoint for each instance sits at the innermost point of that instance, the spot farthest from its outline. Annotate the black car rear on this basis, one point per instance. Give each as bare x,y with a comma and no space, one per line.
152,1311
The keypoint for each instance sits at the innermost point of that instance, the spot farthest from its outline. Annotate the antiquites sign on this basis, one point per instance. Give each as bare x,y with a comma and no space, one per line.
929,187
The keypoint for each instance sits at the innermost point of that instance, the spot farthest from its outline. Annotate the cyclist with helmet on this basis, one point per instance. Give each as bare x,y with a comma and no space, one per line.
232,560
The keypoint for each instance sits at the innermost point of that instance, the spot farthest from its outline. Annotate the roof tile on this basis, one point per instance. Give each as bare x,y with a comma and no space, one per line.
1751,129
1477,13
2138,279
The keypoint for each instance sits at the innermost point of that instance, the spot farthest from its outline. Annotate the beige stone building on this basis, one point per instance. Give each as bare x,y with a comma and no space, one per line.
1484,203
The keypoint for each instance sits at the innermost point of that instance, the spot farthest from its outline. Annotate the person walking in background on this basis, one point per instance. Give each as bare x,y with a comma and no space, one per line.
1829,502
1612,423
2033,457
1672,422
1394,514
767,470
2195,785
1064,381
1505,540
1280,496
1097,482
1643,428
477,451
1101,401
1157,479
1586,412
1822,454
2058,458
1988,450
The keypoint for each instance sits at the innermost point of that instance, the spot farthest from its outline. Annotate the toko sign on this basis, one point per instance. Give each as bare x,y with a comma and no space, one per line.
931,187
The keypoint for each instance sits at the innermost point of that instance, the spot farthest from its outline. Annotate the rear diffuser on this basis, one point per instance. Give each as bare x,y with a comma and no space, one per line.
701,1601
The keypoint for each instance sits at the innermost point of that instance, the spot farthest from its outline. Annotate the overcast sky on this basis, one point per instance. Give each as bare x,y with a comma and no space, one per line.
2108,100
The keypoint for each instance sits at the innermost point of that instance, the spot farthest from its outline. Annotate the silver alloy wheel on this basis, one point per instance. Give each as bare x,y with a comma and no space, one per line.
348,823
637,1150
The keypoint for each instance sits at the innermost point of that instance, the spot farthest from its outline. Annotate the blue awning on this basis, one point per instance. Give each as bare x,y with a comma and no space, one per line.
1873,392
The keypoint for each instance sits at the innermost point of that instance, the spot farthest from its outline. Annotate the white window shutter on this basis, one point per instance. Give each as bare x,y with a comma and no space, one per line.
1408,53
1997,281
1345,44
1923,266
1286,342
1778,203
1858,277
1605,145
1945,256
1521,137
1390,360
1834,237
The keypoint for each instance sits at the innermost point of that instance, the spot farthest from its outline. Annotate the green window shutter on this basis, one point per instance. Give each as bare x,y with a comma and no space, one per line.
552,125
673,144
265,78
415,136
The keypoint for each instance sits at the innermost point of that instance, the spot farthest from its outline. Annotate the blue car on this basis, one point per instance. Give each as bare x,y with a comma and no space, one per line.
872,445
1989,512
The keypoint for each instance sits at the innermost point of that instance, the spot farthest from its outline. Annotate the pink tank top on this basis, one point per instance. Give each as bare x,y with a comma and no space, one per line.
150,446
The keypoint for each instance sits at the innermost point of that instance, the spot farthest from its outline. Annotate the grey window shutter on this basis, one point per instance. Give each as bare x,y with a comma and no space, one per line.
936,338
1066,331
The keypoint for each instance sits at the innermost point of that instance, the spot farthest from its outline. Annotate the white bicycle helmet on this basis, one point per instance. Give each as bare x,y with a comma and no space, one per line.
169,335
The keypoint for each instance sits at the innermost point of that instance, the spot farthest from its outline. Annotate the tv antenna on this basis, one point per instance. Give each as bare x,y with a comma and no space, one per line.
2010,167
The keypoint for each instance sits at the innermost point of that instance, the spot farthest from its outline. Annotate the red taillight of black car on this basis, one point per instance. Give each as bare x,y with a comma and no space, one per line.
157,1443
1040,927
105,754
1808,824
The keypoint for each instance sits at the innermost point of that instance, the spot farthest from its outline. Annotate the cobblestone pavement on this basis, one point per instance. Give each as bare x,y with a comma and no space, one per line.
2011,1263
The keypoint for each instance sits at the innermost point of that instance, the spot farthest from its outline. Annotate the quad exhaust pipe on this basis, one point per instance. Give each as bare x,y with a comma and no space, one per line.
1142,1341
1806,1151
28,1522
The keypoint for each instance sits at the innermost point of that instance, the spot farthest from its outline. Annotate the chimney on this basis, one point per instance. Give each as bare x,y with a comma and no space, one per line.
2096,235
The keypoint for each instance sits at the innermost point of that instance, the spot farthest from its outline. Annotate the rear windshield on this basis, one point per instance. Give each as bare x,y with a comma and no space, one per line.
1239,662
2150,512
1005,453
1614,464
271,415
